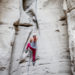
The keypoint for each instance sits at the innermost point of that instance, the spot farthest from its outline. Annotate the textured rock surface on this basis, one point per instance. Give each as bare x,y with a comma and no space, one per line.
71,30
54,47
9,13
52,52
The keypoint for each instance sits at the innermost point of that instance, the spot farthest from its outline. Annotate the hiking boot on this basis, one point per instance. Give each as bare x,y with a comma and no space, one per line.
33,63
26,51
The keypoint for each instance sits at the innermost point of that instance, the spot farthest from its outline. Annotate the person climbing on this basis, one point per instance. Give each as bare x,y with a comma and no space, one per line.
32,45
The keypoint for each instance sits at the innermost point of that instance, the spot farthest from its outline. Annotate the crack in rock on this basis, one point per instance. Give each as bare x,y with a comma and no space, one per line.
2,68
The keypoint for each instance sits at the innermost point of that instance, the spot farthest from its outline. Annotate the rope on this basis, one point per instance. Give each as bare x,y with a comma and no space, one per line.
29,62
29,37
37,29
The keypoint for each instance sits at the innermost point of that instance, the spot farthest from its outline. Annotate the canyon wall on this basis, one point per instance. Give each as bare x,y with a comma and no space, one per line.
52,22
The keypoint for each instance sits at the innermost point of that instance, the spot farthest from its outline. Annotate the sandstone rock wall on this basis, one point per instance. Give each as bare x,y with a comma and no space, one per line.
51,23
9,13
71,31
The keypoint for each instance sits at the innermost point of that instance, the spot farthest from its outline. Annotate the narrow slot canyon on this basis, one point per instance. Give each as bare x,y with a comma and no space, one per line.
53,22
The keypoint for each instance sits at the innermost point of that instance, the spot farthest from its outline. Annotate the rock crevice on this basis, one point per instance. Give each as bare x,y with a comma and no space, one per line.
56,42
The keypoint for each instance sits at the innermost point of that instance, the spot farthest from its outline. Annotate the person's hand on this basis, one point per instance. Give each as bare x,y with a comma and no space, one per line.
26,51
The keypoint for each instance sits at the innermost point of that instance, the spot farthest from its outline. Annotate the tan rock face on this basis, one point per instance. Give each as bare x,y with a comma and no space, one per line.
8,9
9,13
71,4
53,53
53,48
53,28
27,3
71,31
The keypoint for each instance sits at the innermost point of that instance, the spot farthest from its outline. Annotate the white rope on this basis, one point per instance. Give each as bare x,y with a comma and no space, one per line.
29,62
29,35
29,51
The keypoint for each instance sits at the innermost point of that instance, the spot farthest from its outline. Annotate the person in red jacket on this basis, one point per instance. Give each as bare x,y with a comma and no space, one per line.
33,47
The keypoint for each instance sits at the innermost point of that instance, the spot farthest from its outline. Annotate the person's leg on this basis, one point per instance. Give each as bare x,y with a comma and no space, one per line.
33,55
